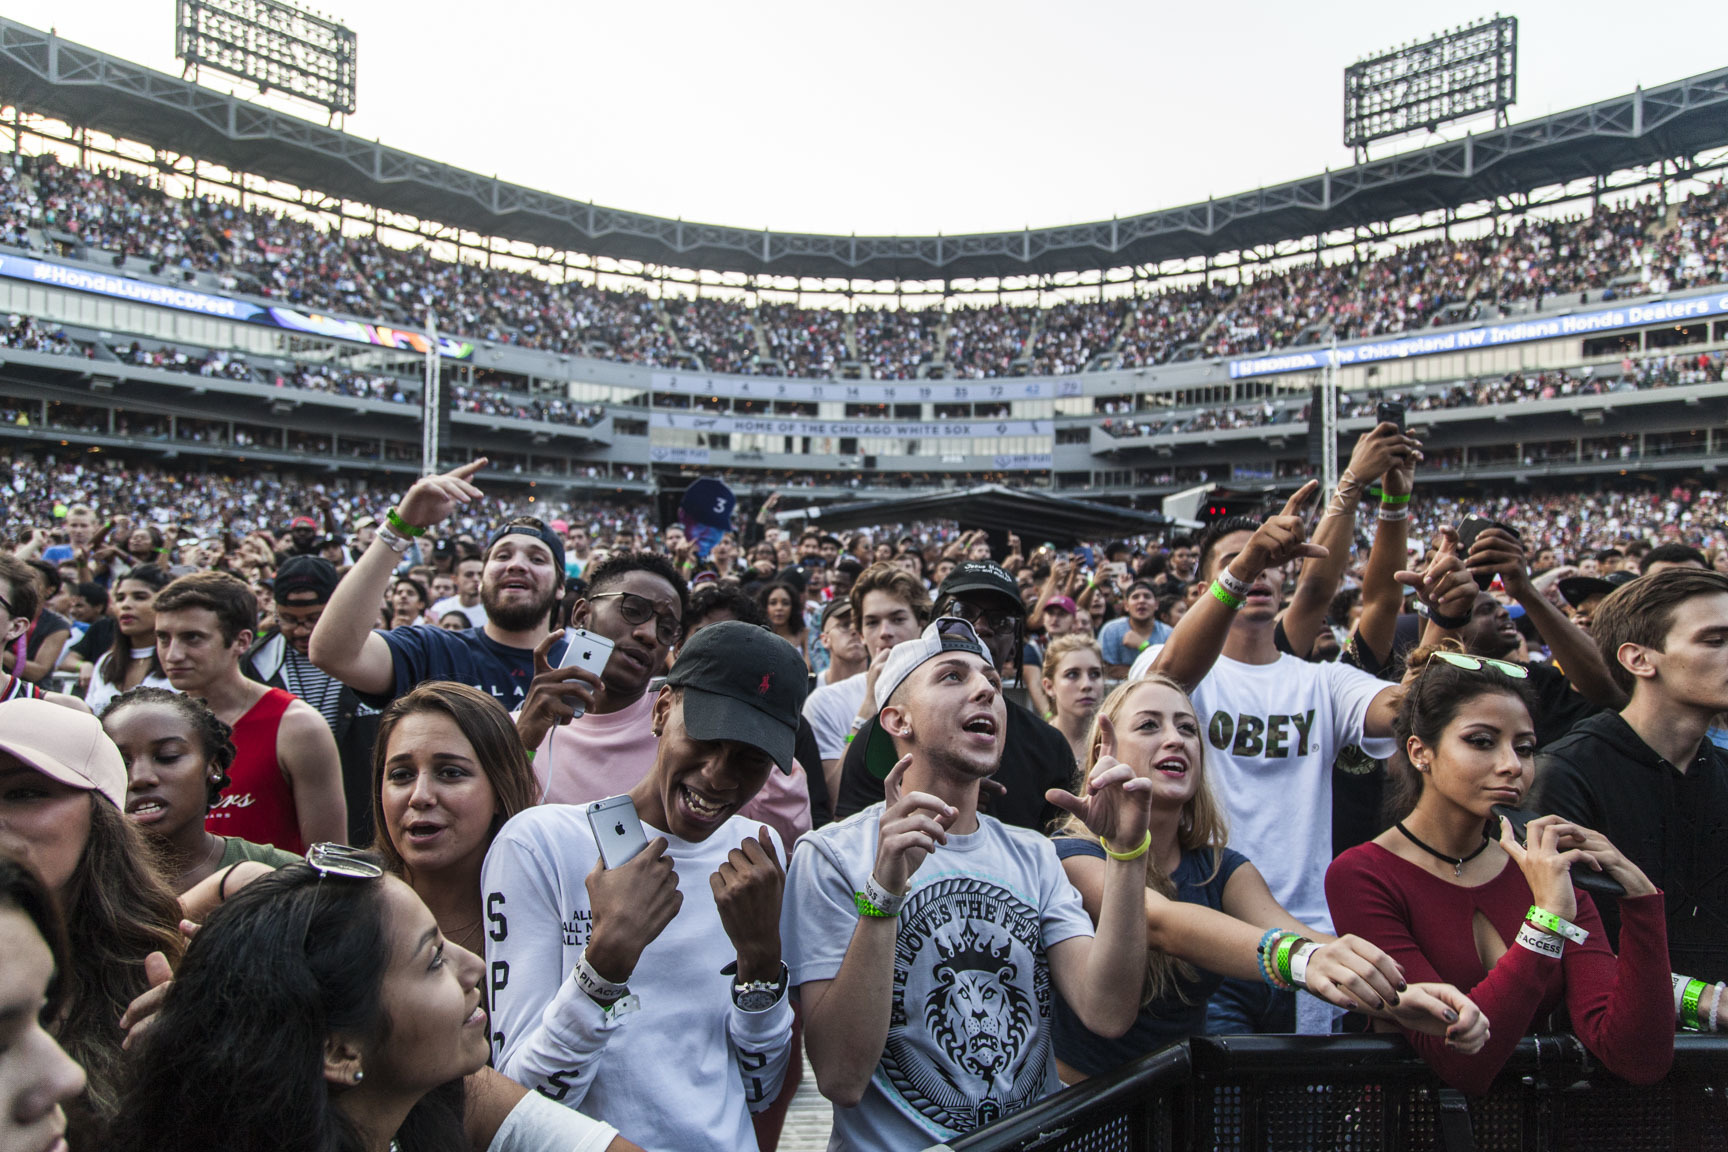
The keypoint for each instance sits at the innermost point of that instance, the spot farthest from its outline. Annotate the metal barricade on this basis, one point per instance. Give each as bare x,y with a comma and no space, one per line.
1372,1094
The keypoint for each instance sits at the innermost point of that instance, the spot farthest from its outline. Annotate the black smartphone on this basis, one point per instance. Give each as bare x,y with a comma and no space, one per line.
1473,526
1389,412
1594,882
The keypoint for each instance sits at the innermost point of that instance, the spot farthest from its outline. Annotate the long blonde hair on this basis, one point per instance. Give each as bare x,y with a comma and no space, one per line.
1201,825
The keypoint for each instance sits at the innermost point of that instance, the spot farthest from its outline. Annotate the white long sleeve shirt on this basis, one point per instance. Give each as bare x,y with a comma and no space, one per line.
681,1074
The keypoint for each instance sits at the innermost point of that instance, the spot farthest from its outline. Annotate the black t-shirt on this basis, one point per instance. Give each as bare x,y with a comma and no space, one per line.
1035,758
471,657
1558,705
97,639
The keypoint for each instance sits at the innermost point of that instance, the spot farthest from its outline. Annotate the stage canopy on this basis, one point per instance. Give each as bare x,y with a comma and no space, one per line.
1036,517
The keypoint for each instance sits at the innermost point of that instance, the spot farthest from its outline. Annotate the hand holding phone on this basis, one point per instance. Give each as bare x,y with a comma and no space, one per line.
617,830
1596,883
586,650
1469,529
1390,412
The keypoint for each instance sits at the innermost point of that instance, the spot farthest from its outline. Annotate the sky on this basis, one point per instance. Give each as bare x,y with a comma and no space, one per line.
908,116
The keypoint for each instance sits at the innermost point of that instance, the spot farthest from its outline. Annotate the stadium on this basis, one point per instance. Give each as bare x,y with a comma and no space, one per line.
219,310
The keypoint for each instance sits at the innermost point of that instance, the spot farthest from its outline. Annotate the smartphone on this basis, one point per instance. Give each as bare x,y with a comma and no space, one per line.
585,649
1473,526
617,830
1389,412
1594,882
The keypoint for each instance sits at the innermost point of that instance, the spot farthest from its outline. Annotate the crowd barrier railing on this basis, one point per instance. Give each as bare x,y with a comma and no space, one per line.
1372,1094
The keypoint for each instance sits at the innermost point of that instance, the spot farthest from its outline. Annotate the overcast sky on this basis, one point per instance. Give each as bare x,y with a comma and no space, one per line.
909,116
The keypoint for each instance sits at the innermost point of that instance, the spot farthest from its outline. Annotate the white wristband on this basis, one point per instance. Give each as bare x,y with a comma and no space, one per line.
1540,942
1299,964
1680,983
599,989
1716,1004
1232,583
881,897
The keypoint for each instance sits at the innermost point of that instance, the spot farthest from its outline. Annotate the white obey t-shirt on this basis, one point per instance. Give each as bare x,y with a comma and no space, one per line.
1272,732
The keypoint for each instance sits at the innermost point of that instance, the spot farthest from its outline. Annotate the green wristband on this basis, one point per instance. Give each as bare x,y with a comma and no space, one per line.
1286,946
394,519
1225,597
1689,1006
1552,924
866,908
1388,498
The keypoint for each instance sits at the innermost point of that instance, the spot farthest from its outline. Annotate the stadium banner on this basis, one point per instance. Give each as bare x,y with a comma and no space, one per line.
1024,462
667,454
133,291
1489,336
899,429
861,391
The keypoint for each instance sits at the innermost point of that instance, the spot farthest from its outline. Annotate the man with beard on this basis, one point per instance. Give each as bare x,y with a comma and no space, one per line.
522,578
278,658
1562,698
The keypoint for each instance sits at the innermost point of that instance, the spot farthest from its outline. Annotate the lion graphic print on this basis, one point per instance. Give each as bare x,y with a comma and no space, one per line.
969,1037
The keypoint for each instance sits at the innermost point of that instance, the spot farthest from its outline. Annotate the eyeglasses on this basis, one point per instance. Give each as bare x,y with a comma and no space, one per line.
639,610
1477,663
329,859
996,619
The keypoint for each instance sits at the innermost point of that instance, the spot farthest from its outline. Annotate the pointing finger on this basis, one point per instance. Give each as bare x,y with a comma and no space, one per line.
891,786
1301,496
1106,737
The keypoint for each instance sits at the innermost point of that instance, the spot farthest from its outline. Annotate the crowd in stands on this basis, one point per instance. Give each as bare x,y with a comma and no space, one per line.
1638,247
802,723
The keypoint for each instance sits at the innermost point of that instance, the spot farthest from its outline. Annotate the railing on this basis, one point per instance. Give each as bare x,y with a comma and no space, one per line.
1372,1094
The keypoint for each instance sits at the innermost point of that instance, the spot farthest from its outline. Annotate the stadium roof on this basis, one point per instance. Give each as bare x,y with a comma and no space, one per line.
1037,516
45,74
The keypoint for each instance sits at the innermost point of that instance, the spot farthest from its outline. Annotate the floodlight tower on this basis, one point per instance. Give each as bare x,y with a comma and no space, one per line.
272,44
1450,77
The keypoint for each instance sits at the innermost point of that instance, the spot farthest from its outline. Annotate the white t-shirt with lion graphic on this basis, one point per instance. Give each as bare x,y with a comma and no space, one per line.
969,1038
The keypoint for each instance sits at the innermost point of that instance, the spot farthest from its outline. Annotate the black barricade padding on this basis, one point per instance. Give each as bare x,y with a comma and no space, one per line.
1371,1094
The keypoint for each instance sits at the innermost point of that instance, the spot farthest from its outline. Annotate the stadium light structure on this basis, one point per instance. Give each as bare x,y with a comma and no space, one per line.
274,45
1463,73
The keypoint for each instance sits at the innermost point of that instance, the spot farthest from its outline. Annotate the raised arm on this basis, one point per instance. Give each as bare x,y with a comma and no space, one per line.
1500,552
307,755
1379,449
1382,594
1198,640
344,643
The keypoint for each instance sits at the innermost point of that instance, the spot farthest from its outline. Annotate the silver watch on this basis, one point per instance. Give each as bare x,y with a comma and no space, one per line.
761,995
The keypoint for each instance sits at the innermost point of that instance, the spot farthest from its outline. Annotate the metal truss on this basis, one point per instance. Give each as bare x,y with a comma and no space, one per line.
44,74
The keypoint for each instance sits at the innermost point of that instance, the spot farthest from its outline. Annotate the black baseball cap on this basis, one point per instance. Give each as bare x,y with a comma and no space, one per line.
832,609
981,576
1577,589
528,526
742,682
312,574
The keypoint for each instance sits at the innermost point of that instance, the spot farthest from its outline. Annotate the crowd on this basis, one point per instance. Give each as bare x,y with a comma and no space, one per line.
996,816
1638,247
1664,370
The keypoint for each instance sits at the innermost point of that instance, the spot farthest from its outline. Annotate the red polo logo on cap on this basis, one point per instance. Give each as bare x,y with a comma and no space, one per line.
767,683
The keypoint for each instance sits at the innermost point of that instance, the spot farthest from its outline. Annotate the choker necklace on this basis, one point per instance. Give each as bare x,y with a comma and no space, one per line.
1457,862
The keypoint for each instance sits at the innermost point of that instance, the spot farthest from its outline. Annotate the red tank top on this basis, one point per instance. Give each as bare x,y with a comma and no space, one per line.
258,805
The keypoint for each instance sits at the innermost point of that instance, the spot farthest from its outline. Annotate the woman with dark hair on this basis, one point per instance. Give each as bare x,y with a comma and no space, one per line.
177,754
320,1008
132,660
1453,894
37,1078
448,770
784,606
62,785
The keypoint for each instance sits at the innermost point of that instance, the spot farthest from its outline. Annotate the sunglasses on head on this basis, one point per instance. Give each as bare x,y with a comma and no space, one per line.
336,860
1477,663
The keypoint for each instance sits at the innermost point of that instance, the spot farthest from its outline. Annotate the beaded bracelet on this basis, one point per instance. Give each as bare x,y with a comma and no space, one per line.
1716,1004
1225,598
394,519
1267,952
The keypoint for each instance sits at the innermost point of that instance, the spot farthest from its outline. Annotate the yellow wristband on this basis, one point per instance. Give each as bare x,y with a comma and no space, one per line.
1134,855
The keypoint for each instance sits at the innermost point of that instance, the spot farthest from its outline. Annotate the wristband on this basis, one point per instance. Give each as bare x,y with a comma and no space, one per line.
396,543
1441,619
623,1006
887,902
866,908
1396,514
1389,498
1549,922
1225,598
602,991
1134,855
1281,956
1232,583
394,519
1689,1006
1716,1004
1679,988
1299,963
1539,942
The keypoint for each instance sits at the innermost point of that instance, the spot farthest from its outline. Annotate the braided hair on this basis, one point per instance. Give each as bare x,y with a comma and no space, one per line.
214,736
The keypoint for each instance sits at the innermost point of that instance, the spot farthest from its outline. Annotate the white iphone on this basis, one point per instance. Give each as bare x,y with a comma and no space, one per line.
617,830
585,649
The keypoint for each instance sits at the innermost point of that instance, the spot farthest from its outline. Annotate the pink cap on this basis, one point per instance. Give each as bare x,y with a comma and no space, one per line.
1062,604
64,745
561,527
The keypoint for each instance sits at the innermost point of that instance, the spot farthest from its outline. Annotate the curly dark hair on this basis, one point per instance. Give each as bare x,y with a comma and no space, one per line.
215,737
715,599
620,564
